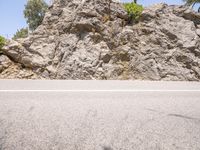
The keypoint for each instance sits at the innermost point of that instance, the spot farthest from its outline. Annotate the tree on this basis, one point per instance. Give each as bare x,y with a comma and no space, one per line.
22,33
192,3
135,1
34,12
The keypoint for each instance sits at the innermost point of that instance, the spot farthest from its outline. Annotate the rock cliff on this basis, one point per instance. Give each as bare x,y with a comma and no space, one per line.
84,39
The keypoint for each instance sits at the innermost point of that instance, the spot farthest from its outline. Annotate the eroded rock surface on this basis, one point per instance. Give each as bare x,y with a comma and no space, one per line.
84,39
11,70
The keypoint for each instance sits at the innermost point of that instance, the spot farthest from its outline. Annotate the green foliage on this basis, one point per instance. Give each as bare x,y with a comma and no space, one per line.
2,42
134,11
34,12
22,33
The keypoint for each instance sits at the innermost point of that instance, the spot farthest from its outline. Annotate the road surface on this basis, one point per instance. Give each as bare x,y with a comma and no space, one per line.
89,115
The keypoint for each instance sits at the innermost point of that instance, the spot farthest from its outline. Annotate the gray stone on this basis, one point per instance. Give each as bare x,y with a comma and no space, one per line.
82,39
5,62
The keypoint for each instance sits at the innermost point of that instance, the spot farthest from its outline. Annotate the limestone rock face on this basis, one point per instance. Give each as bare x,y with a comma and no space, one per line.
11,70
84,39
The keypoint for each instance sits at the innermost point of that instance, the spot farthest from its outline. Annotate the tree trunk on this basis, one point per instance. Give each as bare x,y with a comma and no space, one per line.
109,5
193,4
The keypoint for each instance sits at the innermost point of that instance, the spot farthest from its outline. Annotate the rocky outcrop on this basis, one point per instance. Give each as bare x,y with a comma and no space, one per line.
11,70
84,39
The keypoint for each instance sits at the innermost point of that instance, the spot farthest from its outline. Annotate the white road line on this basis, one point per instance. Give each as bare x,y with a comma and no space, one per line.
99,90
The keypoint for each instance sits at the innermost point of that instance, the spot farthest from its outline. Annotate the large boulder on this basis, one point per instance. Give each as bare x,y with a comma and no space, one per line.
84,39
13,70
5,62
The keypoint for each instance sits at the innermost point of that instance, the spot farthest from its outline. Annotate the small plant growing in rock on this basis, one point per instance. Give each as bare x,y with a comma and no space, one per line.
2,42
134,11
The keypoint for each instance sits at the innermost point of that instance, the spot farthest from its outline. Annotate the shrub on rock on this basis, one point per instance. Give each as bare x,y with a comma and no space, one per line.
22,33
2,42
134,11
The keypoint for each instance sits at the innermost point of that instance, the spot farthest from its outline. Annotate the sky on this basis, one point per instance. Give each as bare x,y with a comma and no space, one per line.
12,19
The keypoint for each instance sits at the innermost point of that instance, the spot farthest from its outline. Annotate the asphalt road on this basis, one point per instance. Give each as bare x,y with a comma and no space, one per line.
149,119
